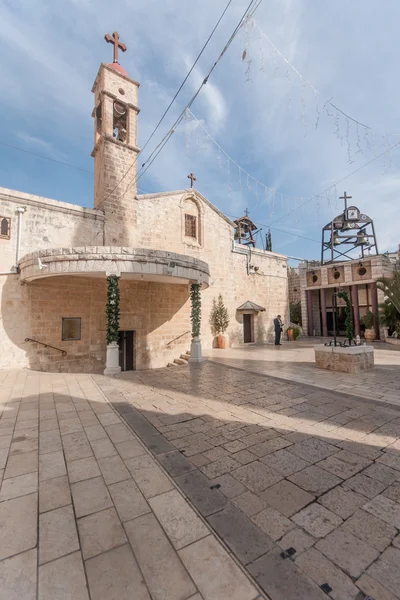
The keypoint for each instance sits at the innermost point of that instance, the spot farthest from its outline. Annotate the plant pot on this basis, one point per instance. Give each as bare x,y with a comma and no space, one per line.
290,334
221,342
370,335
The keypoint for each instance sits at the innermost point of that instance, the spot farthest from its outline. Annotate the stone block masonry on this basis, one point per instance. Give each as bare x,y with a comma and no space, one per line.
347,360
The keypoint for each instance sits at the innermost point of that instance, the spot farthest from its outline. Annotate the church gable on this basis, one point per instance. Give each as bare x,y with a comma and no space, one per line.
182,217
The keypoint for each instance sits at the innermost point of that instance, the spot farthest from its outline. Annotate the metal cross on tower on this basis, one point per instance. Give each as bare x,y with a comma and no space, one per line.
192,178
345,197
114,39
246,212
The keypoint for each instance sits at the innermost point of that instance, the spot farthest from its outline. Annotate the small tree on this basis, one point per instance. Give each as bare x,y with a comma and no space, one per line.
219,316
390,286
295,313
368,320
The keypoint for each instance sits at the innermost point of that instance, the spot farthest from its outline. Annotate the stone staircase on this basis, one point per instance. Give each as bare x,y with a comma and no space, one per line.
182,360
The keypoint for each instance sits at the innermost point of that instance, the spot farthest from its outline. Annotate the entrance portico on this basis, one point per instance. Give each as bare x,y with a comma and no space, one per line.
70,283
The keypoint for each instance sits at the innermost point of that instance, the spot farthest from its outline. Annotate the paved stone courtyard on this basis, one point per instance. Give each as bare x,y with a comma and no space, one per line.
85,511
204,482
295,361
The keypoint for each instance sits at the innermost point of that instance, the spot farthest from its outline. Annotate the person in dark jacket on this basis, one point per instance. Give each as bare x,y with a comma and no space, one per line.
278,330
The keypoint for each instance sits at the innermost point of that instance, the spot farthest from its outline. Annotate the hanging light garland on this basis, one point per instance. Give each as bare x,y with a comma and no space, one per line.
359,137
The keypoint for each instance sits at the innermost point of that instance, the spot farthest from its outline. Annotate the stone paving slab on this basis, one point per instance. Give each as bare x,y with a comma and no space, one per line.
321,460
86,512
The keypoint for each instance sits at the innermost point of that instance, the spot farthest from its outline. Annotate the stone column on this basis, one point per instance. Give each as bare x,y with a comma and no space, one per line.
356,309
323,313
374,307
310,313
195,317
112,311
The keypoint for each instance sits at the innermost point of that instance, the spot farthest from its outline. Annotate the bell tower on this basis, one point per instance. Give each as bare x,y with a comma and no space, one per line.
115,149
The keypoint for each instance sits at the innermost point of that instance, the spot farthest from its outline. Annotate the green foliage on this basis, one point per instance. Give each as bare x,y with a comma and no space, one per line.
195,315
295,313
219,316
296,332
349,316
397,328
388,315
390,286
112,309
368,320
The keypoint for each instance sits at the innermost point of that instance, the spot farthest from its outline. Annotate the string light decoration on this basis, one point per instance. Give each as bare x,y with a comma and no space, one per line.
359,137
270,195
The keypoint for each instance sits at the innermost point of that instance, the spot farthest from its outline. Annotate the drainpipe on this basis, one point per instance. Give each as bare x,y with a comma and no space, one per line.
20,211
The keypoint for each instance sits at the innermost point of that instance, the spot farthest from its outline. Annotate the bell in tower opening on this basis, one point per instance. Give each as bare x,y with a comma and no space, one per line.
120,121
245,230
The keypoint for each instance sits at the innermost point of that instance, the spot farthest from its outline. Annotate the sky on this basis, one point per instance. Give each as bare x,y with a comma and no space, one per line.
269,121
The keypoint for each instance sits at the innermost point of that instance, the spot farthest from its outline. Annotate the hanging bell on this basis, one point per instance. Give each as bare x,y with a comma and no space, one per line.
362,239
335,240
346,226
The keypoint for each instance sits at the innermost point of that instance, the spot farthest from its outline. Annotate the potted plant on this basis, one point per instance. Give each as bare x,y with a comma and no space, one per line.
220,321
368,322
293,333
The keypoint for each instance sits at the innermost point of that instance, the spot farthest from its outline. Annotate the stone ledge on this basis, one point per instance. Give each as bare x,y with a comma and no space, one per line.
351,351
393,341
154,265
345,360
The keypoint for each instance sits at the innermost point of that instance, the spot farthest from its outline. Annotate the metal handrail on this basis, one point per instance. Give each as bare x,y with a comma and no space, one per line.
63,352
177,338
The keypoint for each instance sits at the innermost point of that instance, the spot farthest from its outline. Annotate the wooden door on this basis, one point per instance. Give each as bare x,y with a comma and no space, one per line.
247,328
126,350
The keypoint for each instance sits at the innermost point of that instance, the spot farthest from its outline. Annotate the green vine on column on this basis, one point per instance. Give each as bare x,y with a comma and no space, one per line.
349,316
112,309
195,315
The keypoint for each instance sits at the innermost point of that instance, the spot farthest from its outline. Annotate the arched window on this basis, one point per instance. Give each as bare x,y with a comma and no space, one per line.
5,228
191,221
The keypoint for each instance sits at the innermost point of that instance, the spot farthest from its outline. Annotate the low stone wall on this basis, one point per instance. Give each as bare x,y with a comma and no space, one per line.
393,341
346,360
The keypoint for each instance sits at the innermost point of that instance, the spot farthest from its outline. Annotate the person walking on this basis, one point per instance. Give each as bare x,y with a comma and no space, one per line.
278,330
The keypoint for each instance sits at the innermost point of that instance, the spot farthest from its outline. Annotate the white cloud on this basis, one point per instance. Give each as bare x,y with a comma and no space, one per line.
51,57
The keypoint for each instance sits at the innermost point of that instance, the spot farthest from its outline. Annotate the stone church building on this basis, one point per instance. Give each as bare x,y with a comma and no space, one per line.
55,258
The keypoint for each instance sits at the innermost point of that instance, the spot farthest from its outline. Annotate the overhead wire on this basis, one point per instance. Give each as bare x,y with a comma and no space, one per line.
310,85
332,186
250,10
61,162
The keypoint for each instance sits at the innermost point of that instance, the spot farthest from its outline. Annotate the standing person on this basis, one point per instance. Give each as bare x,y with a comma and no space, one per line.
278,330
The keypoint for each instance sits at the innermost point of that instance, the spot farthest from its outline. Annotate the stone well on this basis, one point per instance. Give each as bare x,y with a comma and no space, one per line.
352,359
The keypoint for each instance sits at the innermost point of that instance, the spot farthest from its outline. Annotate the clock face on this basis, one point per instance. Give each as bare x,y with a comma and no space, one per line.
352,213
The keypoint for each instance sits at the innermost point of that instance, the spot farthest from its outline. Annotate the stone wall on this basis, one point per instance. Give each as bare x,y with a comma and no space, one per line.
294,285
45,224
154,311
160,225
157,312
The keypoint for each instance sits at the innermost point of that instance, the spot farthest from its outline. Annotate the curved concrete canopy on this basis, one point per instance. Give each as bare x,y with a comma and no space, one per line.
129,263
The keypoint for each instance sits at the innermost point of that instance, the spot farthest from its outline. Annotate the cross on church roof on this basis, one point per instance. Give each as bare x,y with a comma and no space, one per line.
192,178
114,39
345,197
246,212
